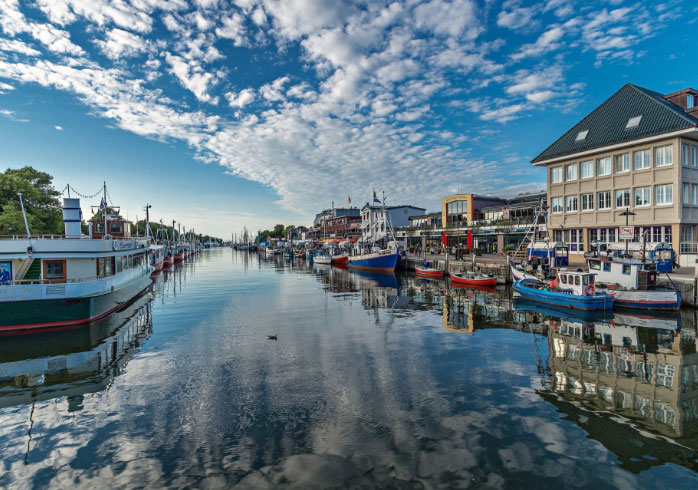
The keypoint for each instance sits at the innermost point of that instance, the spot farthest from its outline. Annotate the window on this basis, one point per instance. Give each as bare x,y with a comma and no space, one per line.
587,169
603,166
626,269
623,162
577,280
623,198
642,196
105,266
694,151
587,202
54,270
607,267
556,175
571,172
593,235
633,122
571,204
656,234
663,156
594,265
604,200
694,194
664,194
685,154
686,194
690,101
556,204
114,227
642,159
667,234
582,135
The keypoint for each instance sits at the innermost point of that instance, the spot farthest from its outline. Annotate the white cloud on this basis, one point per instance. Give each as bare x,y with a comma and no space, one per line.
233,27
241,99
548,41
5,86
120,43
454,18
17,47
515,17
272,91
192,77
58,128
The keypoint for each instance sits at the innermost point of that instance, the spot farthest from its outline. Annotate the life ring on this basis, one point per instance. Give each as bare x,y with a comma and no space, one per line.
589,290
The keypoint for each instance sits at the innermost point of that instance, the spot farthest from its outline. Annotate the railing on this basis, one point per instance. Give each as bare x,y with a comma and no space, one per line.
688,248
24,282
63,237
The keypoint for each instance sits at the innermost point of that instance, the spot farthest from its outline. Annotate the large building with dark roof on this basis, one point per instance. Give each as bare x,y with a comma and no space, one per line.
636,152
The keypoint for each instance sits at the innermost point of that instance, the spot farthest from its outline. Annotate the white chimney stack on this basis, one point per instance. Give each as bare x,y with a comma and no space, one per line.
72,217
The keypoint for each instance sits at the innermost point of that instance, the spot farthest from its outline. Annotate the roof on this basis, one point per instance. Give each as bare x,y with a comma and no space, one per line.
606,125
380,206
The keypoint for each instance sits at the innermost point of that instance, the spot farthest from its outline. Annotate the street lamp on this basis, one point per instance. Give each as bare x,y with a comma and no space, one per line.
627,213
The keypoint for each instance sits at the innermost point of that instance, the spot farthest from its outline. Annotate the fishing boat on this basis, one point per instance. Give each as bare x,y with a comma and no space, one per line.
340,259
633,283
322,258
473,279
570,289
157,257
427,271
385,260
50,283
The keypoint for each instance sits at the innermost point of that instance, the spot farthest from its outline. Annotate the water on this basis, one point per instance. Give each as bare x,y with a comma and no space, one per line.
374,381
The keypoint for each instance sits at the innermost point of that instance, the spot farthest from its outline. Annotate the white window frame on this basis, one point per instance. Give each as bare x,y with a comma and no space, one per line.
663,194
608,201
586,169
553,172
626,203
625,160
569,200
608,165
556,205
567,172
645,162
664,156
587,201
647,192
694,194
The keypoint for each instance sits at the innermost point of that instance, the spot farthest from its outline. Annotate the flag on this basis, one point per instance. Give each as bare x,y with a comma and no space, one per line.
349,200
444,239
102,205
470,239
375,198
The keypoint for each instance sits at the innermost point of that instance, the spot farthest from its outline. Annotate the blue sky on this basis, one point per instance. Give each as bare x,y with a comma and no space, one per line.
254,112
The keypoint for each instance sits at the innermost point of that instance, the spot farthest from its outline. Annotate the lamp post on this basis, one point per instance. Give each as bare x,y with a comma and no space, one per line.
627,213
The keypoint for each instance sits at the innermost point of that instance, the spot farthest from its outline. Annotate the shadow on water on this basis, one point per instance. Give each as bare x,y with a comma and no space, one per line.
376,380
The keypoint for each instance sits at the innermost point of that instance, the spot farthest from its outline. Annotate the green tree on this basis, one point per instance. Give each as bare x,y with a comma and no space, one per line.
41,202
278,231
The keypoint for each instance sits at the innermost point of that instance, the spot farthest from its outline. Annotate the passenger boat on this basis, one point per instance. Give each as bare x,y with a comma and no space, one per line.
633,283
429,272
322,259
385,260
52,283
474,279
570,289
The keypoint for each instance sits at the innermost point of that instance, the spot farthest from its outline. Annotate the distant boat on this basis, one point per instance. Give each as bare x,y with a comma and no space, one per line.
157,257
340,259
429,272
474,279
385,260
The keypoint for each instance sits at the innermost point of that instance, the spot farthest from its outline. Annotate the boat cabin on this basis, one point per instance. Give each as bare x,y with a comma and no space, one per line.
117,228
554,253
662,254
627,273
576,282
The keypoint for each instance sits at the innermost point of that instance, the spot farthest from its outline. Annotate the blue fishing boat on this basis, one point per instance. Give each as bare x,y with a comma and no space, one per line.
570,289
385,260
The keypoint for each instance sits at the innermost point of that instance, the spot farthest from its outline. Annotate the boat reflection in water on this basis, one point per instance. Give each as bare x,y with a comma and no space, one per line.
74,362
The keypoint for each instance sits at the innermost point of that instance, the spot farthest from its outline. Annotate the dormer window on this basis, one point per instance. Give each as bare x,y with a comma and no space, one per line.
633,122
690,101
582,135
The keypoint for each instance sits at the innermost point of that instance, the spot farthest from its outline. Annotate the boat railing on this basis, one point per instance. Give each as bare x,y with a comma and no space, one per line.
25,282
63,237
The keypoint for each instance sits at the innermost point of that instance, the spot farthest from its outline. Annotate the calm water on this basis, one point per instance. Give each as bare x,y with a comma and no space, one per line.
375,381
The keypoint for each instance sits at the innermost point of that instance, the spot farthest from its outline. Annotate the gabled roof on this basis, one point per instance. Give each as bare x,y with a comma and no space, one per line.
606,125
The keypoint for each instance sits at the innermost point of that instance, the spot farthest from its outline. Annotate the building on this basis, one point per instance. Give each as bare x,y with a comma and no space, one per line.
377,220
461,210
636,152
334,213
335,223
343,227
428,221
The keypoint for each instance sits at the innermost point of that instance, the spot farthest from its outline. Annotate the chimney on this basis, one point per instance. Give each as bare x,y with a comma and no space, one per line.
687,99
72,217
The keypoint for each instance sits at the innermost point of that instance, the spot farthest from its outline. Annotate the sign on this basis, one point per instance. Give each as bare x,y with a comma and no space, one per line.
626,232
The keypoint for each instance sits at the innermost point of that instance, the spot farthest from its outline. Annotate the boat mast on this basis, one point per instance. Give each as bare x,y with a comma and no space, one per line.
147,221
105,209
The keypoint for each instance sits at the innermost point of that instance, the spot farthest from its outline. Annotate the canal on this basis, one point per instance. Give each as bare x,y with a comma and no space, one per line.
373,381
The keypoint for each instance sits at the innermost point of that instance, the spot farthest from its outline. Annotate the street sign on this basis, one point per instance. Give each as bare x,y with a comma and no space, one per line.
626,232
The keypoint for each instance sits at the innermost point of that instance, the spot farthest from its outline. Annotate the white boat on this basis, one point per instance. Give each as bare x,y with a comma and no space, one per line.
322,259
58,282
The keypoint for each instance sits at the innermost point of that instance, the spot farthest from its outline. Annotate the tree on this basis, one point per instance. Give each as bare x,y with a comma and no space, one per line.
278,231
41,202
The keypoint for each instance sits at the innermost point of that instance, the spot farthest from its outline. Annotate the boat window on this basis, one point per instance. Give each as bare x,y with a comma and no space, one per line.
607,267
595,265
626,269
119,265
54,270
105,266
115,227
563,278
577,281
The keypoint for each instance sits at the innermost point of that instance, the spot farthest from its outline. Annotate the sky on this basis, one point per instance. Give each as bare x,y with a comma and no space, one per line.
247,113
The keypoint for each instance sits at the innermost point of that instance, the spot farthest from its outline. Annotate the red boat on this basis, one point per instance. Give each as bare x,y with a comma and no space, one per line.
429,272
340,259
474,279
